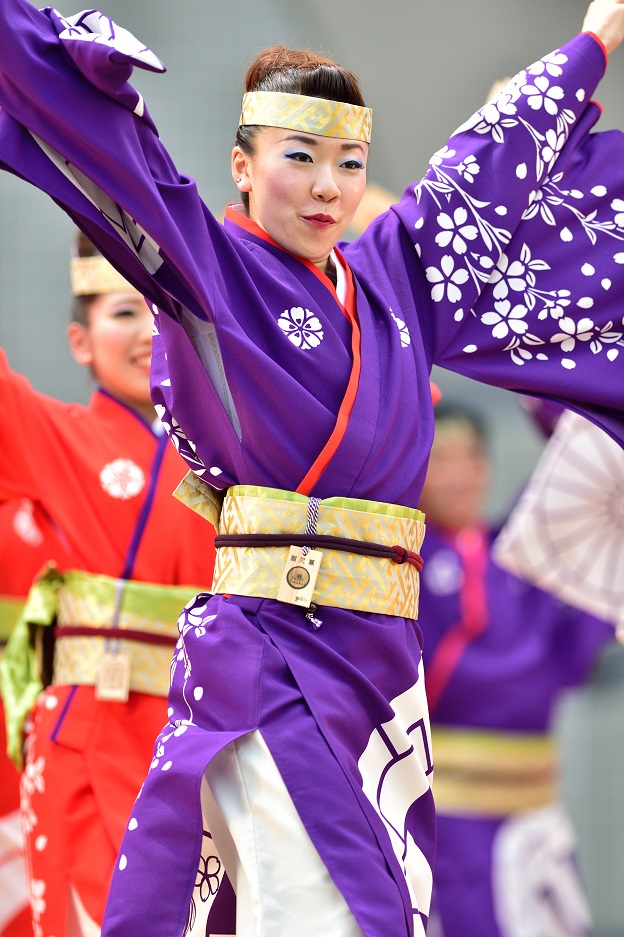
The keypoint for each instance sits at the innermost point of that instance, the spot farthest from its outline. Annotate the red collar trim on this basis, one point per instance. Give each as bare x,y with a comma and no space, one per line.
350,311
244,221
346,407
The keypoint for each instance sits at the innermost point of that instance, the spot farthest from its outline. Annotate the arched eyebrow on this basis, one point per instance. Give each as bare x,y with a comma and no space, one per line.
353,145
308,139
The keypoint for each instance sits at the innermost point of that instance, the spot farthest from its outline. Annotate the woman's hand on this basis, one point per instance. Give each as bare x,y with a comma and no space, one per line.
605,18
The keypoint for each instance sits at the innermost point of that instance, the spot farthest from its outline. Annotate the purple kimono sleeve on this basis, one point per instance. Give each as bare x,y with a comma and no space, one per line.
519,230
65,95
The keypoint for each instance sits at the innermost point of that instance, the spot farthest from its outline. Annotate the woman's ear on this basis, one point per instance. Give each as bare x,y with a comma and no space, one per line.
79,344
240,169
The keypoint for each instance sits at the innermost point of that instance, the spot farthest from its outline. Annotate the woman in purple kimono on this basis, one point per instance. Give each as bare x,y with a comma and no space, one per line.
293,376
498,655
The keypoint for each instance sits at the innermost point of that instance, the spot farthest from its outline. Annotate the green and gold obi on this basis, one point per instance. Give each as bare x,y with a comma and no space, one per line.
89,613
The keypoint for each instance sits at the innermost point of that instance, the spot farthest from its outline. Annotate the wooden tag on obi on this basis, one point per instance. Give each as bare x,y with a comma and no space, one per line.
113,682
299,577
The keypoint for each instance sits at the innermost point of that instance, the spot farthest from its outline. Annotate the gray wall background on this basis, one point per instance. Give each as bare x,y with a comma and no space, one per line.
425,67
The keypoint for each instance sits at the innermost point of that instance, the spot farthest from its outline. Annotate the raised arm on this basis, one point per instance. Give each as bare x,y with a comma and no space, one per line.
74,126
26,435
518,229
490,175
465,211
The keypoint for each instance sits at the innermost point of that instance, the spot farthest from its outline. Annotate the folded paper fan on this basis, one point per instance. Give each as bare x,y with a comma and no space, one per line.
566,534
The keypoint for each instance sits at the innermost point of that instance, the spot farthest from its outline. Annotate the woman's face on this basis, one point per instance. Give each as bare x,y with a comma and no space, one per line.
116,344
303,188
457,478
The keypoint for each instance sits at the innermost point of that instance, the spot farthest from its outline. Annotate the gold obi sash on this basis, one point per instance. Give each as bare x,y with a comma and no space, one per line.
89,612
345,580
145,628
492,773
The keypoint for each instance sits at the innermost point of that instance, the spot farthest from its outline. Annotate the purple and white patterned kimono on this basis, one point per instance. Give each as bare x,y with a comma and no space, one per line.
504,263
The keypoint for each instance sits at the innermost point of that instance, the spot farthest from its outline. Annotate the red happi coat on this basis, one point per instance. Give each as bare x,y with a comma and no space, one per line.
100,480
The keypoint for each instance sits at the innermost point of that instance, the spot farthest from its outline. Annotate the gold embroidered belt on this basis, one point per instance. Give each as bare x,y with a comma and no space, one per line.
145,629
492,773
139,617
386,583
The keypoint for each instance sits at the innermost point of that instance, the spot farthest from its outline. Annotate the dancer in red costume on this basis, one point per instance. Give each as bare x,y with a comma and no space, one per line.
103,475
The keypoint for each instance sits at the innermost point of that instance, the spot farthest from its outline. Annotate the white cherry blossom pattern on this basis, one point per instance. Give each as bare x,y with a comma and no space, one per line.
160,750
161,759
469,169
447,280
501,113
478,269
542,94
607,336
122,479
404,332
555,304
550,64
440,156
496,116
302,327
553,144
455,231
517,276
573,332
465,228
518,353
192,622
506,318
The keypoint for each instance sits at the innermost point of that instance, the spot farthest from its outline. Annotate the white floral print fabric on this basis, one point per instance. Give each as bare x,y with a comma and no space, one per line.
479,270
301,327
122,479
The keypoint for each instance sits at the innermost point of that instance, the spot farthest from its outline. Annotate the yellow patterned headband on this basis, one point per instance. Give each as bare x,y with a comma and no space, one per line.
91,276
308,115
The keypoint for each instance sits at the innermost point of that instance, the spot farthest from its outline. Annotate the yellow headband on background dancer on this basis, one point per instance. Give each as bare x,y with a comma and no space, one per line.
307,115
92,276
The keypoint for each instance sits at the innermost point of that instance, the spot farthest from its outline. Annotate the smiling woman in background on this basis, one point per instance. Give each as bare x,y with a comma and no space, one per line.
101,476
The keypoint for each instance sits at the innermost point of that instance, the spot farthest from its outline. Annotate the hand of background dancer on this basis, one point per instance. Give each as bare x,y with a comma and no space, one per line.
605,18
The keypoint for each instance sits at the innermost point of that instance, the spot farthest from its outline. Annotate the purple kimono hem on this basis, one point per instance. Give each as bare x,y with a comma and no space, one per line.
317,712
